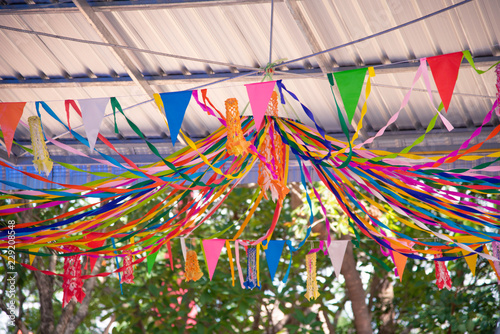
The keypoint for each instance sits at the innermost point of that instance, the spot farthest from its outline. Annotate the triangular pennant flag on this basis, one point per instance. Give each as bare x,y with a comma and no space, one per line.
10,114
336,250
400,262
151,258
444,69
175,105
94,244
471,261
273,255
350,84
212,249
32,256
92,114
183,248
259,95
169,247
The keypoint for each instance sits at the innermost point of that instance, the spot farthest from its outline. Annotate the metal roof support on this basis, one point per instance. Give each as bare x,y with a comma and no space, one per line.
108,6
294,9
324,63
88,12
197,78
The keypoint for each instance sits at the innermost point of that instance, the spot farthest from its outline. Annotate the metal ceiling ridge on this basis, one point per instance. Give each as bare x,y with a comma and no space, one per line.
158,80
135,5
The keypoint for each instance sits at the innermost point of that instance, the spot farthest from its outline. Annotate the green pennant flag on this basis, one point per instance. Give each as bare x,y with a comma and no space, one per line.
350,84
151,260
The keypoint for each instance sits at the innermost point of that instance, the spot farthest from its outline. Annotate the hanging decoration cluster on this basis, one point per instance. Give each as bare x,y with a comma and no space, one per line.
428,197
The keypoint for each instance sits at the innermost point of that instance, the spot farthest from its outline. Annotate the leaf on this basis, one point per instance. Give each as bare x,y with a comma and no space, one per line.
310,317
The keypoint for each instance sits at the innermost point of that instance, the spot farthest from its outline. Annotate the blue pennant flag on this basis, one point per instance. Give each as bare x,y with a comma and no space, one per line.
175,105
273,255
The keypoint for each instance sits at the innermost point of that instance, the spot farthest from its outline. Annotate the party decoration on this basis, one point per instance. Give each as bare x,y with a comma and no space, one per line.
174,106
192,270
336,251
128,273
10,114
443,279
236,143
350,84
212,248
455,208
400,262
312,284
495,250
94,244
72,283
444,69
497,72
471,261
42,161
251,281
273,255
92,114
273,150
259,95
32,256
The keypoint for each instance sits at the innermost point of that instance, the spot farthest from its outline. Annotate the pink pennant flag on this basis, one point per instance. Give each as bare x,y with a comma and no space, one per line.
259,95
336,250
92,115
212,248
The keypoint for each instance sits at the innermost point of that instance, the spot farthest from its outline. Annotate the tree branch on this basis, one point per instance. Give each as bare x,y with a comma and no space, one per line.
108,327
339,312
45,285
19,323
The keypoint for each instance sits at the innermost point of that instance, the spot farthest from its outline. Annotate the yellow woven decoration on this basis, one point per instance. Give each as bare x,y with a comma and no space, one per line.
312,284
42,160
193,271
236,143
275,156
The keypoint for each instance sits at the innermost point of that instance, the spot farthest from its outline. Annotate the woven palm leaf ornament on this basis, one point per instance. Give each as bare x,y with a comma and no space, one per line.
273,150
192,270
312,283
41,159
236,143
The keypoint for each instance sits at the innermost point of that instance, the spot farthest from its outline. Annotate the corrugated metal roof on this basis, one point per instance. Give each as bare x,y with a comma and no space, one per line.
237,32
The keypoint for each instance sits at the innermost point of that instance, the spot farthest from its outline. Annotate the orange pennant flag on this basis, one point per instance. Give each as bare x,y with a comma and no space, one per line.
400,262
10,114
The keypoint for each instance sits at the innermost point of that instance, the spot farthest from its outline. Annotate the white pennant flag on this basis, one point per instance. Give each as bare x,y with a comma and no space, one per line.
92,115
336,250
183,247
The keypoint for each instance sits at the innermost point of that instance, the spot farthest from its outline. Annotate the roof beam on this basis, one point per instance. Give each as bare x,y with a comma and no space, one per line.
88,12
90,15
309,35
203,78
108,6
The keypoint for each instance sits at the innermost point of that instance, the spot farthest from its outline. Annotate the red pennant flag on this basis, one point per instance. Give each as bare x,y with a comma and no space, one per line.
10,114
94,244
444,69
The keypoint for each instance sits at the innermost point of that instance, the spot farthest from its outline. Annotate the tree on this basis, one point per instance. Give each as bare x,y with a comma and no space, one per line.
161,301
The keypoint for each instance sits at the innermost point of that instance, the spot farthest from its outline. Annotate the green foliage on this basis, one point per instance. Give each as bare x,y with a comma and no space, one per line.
162,302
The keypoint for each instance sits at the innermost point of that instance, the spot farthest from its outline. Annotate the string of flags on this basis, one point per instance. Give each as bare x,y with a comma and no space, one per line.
426,196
